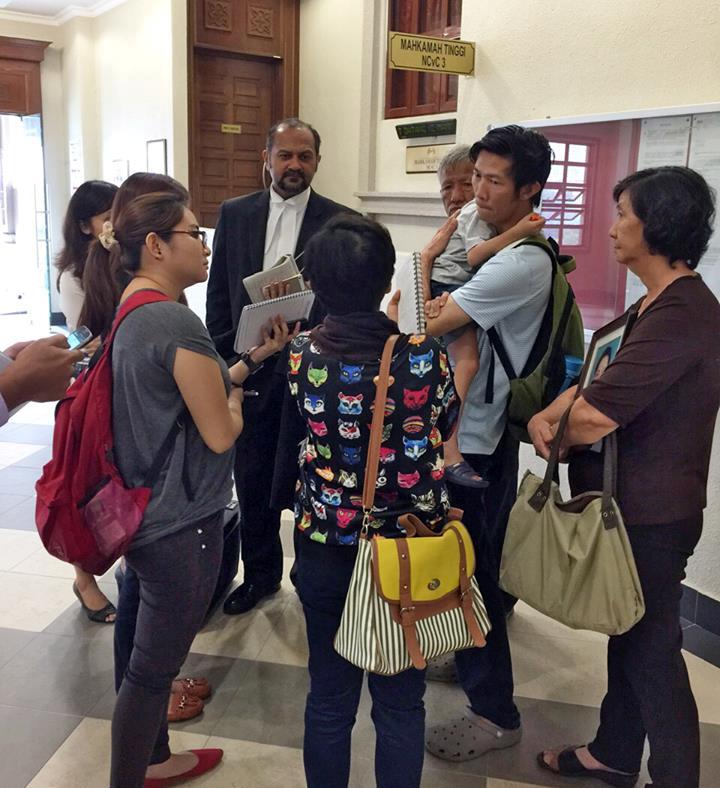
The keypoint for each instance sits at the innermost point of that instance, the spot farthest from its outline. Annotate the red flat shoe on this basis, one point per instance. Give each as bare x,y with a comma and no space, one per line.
207,760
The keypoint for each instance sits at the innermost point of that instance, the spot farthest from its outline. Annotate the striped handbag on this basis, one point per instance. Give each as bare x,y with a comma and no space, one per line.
414,598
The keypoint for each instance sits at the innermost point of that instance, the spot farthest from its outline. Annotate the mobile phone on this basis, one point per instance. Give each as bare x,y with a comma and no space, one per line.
79,338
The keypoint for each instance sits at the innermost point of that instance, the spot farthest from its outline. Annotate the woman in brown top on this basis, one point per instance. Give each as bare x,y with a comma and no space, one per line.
661,395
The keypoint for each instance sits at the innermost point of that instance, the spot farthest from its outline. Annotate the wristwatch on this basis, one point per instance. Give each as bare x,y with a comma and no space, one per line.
253,366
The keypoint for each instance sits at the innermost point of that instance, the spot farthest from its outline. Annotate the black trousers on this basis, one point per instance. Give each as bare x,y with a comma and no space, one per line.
648,688
485,674
255,458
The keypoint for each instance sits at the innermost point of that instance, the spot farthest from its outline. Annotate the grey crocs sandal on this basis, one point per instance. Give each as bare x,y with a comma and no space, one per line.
442,669
469,737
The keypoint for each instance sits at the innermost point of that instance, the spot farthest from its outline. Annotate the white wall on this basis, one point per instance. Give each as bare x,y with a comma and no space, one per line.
330,89
559,58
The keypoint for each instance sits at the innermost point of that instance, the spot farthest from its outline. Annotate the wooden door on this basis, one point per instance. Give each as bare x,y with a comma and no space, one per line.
234,106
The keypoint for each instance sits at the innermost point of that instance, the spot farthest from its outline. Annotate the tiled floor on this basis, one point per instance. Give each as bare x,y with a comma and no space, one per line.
56,683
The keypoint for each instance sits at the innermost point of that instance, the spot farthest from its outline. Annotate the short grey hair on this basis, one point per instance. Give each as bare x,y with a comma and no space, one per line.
460,154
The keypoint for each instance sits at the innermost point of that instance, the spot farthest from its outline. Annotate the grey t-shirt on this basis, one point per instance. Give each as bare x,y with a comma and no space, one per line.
510,292
146,403
452,266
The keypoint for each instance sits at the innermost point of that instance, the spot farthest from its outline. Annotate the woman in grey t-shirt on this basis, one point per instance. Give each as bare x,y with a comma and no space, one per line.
166,371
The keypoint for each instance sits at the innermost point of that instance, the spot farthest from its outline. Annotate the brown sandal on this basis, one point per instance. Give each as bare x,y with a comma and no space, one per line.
195,686
183,707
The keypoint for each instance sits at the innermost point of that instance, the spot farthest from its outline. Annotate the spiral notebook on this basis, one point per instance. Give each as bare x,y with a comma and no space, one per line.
408,280
292,308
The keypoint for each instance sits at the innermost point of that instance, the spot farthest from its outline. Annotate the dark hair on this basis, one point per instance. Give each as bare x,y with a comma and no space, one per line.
157,212
105,277
677,209
529,153
350,263
90,199
292,123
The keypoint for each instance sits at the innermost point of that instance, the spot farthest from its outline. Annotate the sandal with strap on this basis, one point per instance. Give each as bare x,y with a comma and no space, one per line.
183,707
196,686
96,616
463,474
569,765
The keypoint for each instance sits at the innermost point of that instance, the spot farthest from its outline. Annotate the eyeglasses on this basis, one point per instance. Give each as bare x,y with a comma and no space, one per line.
199,234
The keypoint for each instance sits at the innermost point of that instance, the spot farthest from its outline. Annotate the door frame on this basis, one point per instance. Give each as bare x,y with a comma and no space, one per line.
285,64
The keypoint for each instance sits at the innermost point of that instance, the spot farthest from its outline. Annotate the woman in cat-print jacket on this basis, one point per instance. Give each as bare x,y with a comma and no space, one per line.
331,369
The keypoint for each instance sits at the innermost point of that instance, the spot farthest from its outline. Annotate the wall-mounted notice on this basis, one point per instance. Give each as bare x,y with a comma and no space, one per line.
663,141
427,53
705,158
424,158
76,165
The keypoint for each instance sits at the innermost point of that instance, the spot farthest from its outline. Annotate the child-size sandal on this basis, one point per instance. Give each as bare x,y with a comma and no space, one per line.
463,474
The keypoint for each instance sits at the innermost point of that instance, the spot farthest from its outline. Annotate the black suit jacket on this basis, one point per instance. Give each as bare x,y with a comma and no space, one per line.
238,251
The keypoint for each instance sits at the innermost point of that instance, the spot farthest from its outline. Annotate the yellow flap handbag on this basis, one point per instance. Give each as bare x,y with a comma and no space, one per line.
414,597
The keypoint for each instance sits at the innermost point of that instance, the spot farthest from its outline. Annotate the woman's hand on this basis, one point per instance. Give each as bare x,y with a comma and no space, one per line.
276,335
542,434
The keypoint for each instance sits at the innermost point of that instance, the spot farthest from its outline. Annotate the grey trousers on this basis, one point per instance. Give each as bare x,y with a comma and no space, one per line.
177,576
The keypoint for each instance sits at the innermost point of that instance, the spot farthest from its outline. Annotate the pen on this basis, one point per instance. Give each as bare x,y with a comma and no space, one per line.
247,392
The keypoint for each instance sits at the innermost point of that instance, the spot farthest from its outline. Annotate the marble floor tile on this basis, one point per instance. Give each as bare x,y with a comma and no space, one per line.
362,775
21,516
35,459
247,763
73,621
9,501
287,641
705,682
12,641
561,669
83,760
241,636
34,413
57,674
29,738
529,621
17,480
46,565
11,452
268,706
39,434
16,546
31,602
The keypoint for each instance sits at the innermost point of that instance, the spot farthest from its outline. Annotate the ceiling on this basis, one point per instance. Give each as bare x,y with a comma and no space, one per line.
58,10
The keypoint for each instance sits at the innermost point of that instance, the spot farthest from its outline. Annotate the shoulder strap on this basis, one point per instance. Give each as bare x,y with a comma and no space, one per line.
382,382
130,304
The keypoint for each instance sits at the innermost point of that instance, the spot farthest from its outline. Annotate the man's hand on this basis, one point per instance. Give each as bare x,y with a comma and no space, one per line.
434,306
41,372
275,289
438,243
542,434
393,307
14,350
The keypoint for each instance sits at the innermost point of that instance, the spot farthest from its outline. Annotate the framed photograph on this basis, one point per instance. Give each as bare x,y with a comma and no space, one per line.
603,348
157,156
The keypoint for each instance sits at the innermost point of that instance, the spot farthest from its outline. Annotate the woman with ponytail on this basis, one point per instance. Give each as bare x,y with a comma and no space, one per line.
88,210
166,371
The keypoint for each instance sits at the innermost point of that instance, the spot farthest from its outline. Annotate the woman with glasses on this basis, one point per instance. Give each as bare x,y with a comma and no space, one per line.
165,373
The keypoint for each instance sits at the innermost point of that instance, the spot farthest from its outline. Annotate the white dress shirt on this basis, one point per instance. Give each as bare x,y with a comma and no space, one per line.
285,219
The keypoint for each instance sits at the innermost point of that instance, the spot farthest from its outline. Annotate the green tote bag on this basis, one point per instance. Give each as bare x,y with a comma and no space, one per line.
572,560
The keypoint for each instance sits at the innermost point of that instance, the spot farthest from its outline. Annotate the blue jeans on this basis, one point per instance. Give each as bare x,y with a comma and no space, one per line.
398,711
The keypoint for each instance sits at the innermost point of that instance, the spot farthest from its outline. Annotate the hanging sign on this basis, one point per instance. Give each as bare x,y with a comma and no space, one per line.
427,53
